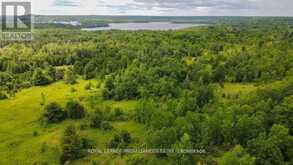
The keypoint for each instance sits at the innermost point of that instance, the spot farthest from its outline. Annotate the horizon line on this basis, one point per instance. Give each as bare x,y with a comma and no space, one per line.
117,15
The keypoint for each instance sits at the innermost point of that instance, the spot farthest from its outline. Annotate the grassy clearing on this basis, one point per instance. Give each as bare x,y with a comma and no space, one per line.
24,140
235,90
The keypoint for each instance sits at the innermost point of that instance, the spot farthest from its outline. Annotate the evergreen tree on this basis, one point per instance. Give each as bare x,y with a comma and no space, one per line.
71,145
54,113
74,110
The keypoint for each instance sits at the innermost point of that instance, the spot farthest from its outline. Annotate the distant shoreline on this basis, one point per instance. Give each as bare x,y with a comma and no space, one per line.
162,26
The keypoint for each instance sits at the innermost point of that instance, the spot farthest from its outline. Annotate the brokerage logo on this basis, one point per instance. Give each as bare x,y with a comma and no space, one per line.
16,21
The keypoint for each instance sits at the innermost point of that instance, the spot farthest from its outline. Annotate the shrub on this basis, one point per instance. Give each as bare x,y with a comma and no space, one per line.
97,119
90,70
25,84
3,96
40,78
71,145
72,90
59,75
105,125
88,86
98,85
44,147
121,140
53,113
86,143
116,115
83,126
43,99
94,163
74,110
35,133
69,77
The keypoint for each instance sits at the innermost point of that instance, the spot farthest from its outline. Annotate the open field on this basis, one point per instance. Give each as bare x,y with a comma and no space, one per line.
25,140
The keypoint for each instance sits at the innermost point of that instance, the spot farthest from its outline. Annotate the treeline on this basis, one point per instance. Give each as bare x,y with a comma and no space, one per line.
217,53
256,128
260,123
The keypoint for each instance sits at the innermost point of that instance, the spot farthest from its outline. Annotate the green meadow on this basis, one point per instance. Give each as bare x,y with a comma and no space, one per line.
24,139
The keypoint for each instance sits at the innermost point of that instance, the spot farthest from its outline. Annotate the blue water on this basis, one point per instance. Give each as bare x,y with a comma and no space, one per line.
144,26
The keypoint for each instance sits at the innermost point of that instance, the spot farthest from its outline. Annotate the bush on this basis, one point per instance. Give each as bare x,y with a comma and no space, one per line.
116,115
59,75
3,96
53,113
74,110
90,70
69,77
72,145
83,126
86,143
97,119
72,90
44,147
40,78
121,140
98,85
35,133
107,94
88,86
25,84
105,125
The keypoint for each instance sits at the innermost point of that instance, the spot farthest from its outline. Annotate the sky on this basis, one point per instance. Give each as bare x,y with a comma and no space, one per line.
164,7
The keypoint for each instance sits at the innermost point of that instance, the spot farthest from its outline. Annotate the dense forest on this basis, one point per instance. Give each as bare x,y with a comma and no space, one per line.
225,90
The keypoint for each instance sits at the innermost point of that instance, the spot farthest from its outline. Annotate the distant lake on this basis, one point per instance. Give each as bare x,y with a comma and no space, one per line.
73,23
144,26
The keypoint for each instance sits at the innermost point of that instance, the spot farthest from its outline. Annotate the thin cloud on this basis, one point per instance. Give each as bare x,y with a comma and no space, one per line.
187,4
69,3
168,7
